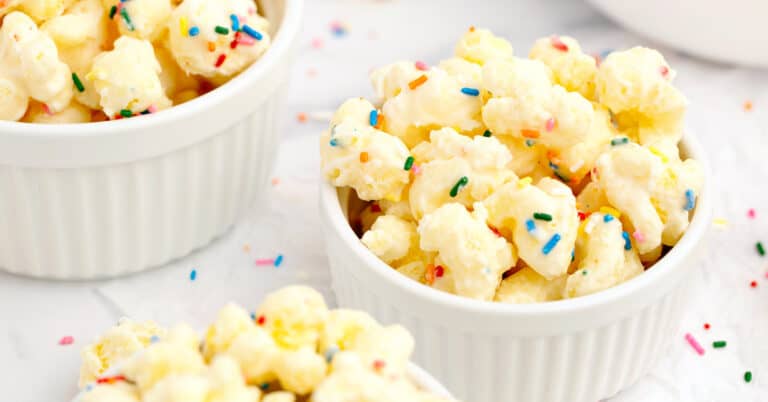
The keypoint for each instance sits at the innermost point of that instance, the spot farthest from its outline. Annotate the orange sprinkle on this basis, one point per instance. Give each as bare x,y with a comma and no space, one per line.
378,364
275,181
379,122
417,82
246,248
211,47
747,106
429,276
472,28
301,117
364,157
553,156
530,133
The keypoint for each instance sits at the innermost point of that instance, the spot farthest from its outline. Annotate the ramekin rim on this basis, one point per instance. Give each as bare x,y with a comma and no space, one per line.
283,41
331,207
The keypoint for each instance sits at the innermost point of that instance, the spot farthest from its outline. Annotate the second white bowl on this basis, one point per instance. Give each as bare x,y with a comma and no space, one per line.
576,350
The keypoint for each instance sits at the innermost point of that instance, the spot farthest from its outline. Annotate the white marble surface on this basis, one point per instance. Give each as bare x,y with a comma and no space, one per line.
36,314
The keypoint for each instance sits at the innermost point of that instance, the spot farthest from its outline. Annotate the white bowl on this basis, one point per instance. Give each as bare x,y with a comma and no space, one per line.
576,350
421,378
732,32
111,198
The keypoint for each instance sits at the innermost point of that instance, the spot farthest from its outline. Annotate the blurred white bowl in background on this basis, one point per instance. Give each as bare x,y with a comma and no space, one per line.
733,32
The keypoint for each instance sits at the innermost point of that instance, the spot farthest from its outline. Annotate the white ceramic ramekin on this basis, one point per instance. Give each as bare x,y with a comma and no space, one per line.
421,378
576,350
105,199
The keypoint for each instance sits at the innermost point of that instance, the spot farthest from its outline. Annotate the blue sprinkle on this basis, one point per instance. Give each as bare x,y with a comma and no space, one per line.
333,142
253,316
605,53
278,260
470,91
627,242
530,225
154,339
573,255
690,200
194,31
373,118
553,166
330,352
264,386
252,32
88,387
551,244
193,275
530,142
607,218
235,22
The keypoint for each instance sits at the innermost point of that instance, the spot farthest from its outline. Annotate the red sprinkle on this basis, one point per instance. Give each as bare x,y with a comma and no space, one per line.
706,326
751,213
261,320
753,284
222,58
439,271
376,208
67,340
495,231
317,43
379,364
422,66
664,70
550,125
558,44
110,380
582,215
47,110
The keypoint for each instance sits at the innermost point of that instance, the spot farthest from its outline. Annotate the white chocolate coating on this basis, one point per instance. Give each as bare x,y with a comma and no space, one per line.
571,68
481,45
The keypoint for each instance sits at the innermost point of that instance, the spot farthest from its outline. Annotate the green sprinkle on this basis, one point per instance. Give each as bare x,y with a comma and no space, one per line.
127,18
78,83
459,184
221,30
542,216
487,133
748,376
126,113
112,12
408,163
760,249
584,272
619,141
718,344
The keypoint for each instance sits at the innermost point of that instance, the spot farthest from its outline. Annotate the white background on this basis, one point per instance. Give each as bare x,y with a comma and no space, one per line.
36,314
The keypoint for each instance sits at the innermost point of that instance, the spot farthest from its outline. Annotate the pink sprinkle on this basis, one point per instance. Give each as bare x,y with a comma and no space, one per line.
694,344
152,109
664,70
422,66
550,125
416,169
766,275
245,40
251,11
751,213
265,261
67,340
558,44
317,43
639,236
47,110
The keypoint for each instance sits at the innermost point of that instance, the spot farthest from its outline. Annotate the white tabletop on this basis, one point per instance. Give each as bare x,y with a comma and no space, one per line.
36,314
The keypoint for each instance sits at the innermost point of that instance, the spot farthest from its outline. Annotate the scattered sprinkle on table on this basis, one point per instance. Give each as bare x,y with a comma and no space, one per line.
706,326
193,275
748,376
751,214
760,249
275,181
753,284
66,340
278,260
246,248
317,43
301,117
421,66
694,344
720,223
747,106
718,344
338,29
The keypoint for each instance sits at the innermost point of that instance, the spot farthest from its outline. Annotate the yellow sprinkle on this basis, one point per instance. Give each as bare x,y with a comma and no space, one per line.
525,181
720,223
184,26
658,153
611,211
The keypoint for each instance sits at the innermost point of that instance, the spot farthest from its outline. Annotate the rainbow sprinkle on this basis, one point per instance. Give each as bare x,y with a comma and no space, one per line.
748,376
550,124
760,249
333,142
639,236
417,82
193,275
470,91
458,186
258,36
66,340
542,216
373,118
558,44
221,30
551,244
183,26
235,22
607,218
610,211
126,113
487,133
421,66
718,344
220,61
530,225
127,18
690,200
112,12
194,31
278,260
627,242
619,141
751,214
694,344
